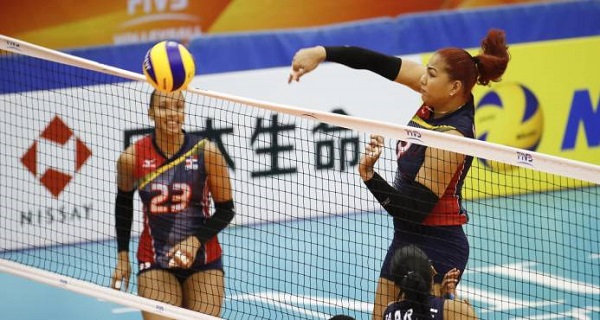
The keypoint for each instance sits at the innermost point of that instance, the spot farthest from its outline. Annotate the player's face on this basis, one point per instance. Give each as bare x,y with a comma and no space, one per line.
168,112
436,85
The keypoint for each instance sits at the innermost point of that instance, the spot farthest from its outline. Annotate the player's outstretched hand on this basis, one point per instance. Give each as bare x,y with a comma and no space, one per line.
305,61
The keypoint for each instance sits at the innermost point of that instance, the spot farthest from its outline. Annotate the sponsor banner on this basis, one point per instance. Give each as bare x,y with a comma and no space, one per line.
59,169
75,24
59,160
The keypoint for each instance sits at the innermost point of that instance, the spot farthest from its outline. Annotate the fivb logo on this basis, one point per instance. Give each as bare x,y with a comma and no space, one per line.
152,11
151,6
56,156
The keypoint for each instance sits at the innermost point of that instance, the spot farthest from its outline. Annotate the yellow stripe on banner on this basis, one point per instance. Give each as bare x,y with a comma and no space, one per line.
426,125
154,174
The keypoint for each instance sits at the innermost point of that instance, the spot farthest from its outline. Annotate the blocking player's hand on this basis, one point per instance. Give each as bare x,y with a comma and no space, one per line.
305,61
372,153
449,283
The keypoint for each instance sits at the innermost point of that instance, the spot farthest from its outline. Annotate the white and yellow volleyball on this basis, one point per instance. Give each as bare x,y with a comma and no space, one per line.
169,66
510,114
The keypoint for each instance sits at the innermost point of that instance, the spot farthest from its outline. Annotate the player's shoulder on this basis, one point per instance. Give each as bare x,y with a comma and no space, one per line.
212,153
142,145
126,160
195,138
132,149
201,143
144,142
461,122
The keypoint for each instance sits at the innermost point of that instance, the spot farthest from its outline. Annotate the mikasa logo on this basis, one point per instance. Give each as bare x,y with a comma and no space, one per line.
158,10
147,64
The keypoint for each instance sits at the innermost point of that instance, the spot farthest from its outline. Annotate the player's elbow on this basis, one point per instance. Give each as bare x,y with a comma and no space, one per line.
225,211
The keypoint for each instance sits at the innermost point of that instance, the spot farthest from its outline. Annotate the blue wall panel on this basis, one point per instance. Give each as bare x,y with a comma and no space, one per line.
405,34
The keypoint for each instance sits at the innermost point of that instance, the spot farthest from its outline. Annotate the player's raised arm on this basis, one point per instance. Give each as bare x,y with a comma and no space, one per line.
390,67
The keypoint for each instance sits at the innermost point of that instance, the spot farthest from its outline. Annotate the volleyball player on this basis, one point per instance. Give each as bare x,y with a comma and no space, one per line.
413,275
175,174
425,199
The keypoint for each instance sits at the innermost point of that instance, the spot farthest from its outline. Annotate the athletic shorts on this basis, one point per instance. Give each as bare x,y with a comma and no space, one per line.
446,246
183,274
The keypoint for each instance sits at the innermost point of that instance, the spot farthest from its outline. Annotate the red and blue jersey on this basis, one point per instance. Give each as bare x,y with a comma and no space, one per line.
410,157
175,199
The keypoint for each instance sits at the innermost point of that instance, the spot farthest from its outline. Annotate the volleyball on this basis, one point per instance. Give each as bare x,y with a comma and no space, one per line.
511,115
169,66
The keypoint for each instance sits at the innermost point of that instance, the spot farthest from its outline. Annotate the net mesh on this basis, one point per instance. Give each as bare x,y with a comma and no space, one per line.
308,239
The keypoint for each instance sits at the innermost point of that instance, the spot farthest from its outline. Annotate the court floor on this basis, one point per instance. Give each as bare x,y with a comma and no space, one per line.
292,270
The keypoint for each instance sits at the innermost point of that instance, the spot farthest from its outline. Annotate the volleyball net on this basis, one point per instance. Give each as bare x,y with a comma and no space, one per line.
308,239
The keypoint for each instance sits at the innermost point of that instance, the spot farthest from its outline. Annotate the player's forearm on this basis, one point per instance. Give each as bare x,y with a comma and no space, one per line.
224,213
123,219
360,58
366,172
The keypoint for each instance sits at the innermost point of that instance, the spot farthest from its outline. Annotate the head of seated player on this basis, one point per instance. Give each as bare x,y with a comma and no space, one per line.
413,274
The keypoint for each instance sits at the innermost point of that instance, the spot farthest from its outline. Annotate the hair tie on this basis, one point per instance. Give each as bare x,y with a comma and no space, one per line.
475,60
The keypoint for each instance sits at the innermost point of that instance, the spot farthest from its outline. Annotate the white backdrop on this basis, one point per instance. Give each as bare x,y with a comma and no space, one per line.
84,210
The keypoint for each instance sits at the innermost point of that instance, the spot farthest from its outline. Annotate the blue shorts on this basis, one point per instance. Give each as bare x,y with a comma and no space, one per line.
446,246
183,274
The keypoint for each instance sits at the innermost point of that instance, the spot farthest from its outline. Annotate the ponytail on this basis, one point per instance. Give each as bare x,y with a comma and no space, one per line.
491,63
416,291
